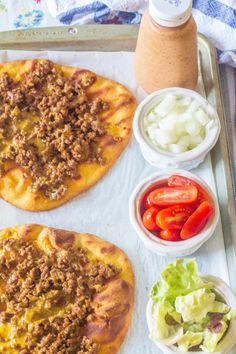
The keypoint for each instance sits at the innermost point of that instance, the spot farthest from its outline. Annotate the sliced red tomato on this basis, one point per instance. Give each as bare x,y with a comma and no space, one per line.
197,220
170,235
174,217
146,202
201,197
149,219
178,181
167,196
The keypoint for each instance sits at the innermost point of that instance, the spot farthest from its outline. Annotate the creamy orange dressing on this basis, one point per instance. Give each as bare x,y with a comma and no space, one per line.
166,56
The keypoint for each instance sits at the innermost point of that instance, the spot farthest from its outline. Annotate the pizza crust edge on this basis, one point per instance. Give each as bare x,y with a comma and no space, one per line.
118,297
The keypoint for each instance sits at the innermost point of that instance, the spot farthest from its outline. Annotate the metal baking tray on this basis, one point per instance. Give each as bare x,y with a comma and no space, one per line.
123,38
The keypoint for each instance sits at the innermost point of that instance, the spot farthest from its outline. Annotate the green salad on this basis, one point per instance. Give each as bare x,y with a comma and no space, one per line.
187,311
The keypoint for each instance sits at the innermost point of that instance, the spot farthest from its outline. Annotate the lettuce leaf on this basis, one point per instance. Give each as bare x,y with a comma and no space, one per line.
231,315
219,307
160,329
211,339
195,306
189,340
178,278
196,327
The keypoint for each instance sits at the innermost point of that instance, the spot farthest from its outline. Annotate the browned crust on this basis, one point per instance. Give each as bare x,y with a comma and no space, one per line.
115,303
15,188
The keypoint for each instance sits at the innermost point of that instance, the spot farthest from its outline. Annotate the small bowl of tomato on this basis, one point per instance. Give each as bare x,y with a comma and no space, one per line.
173,212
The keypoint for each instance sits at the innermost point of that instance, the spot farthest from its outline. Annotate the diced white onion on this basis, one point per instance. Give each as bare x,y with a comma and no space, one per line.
202,117
192,108
185,117
166,105
185,101
180,129
162,137
184,141
169,122
193,127
177,124
195,141
152,117
151,130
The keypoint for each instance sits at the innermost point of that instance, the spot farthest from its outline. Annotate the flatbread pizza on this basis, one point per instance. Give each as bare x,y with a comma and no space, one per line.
61,129
62,292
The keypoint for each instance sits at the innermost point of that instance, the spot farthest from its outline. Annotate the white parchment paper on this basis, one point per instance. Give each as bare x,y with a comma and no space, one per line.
103,210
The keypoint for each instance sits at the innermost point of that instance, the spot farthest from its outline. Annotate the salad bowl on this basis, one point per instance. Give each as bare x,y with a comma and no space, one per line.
228,340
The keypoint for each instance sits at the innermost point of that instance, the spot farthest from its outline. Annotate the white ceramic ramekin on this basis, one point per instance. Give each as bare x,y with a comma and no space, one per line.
167,160
228,341
155,244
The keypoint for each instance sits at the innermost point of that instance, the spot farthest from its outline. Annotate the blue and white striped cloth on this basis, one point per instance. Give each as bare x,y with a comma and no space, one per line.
215,18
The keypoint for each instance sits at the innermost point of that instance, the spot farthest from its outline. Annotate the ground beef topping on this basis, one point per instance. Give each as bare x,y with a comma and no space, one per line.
49,126
38,286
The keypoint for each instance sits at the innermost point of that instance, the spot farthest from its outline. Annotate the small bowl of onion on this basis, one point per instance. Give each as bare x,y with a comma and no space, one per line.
176,128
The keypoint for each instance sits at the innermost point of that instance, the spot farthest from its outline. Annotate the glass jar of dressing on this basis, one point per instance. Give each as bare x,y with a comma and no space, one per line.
166,52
